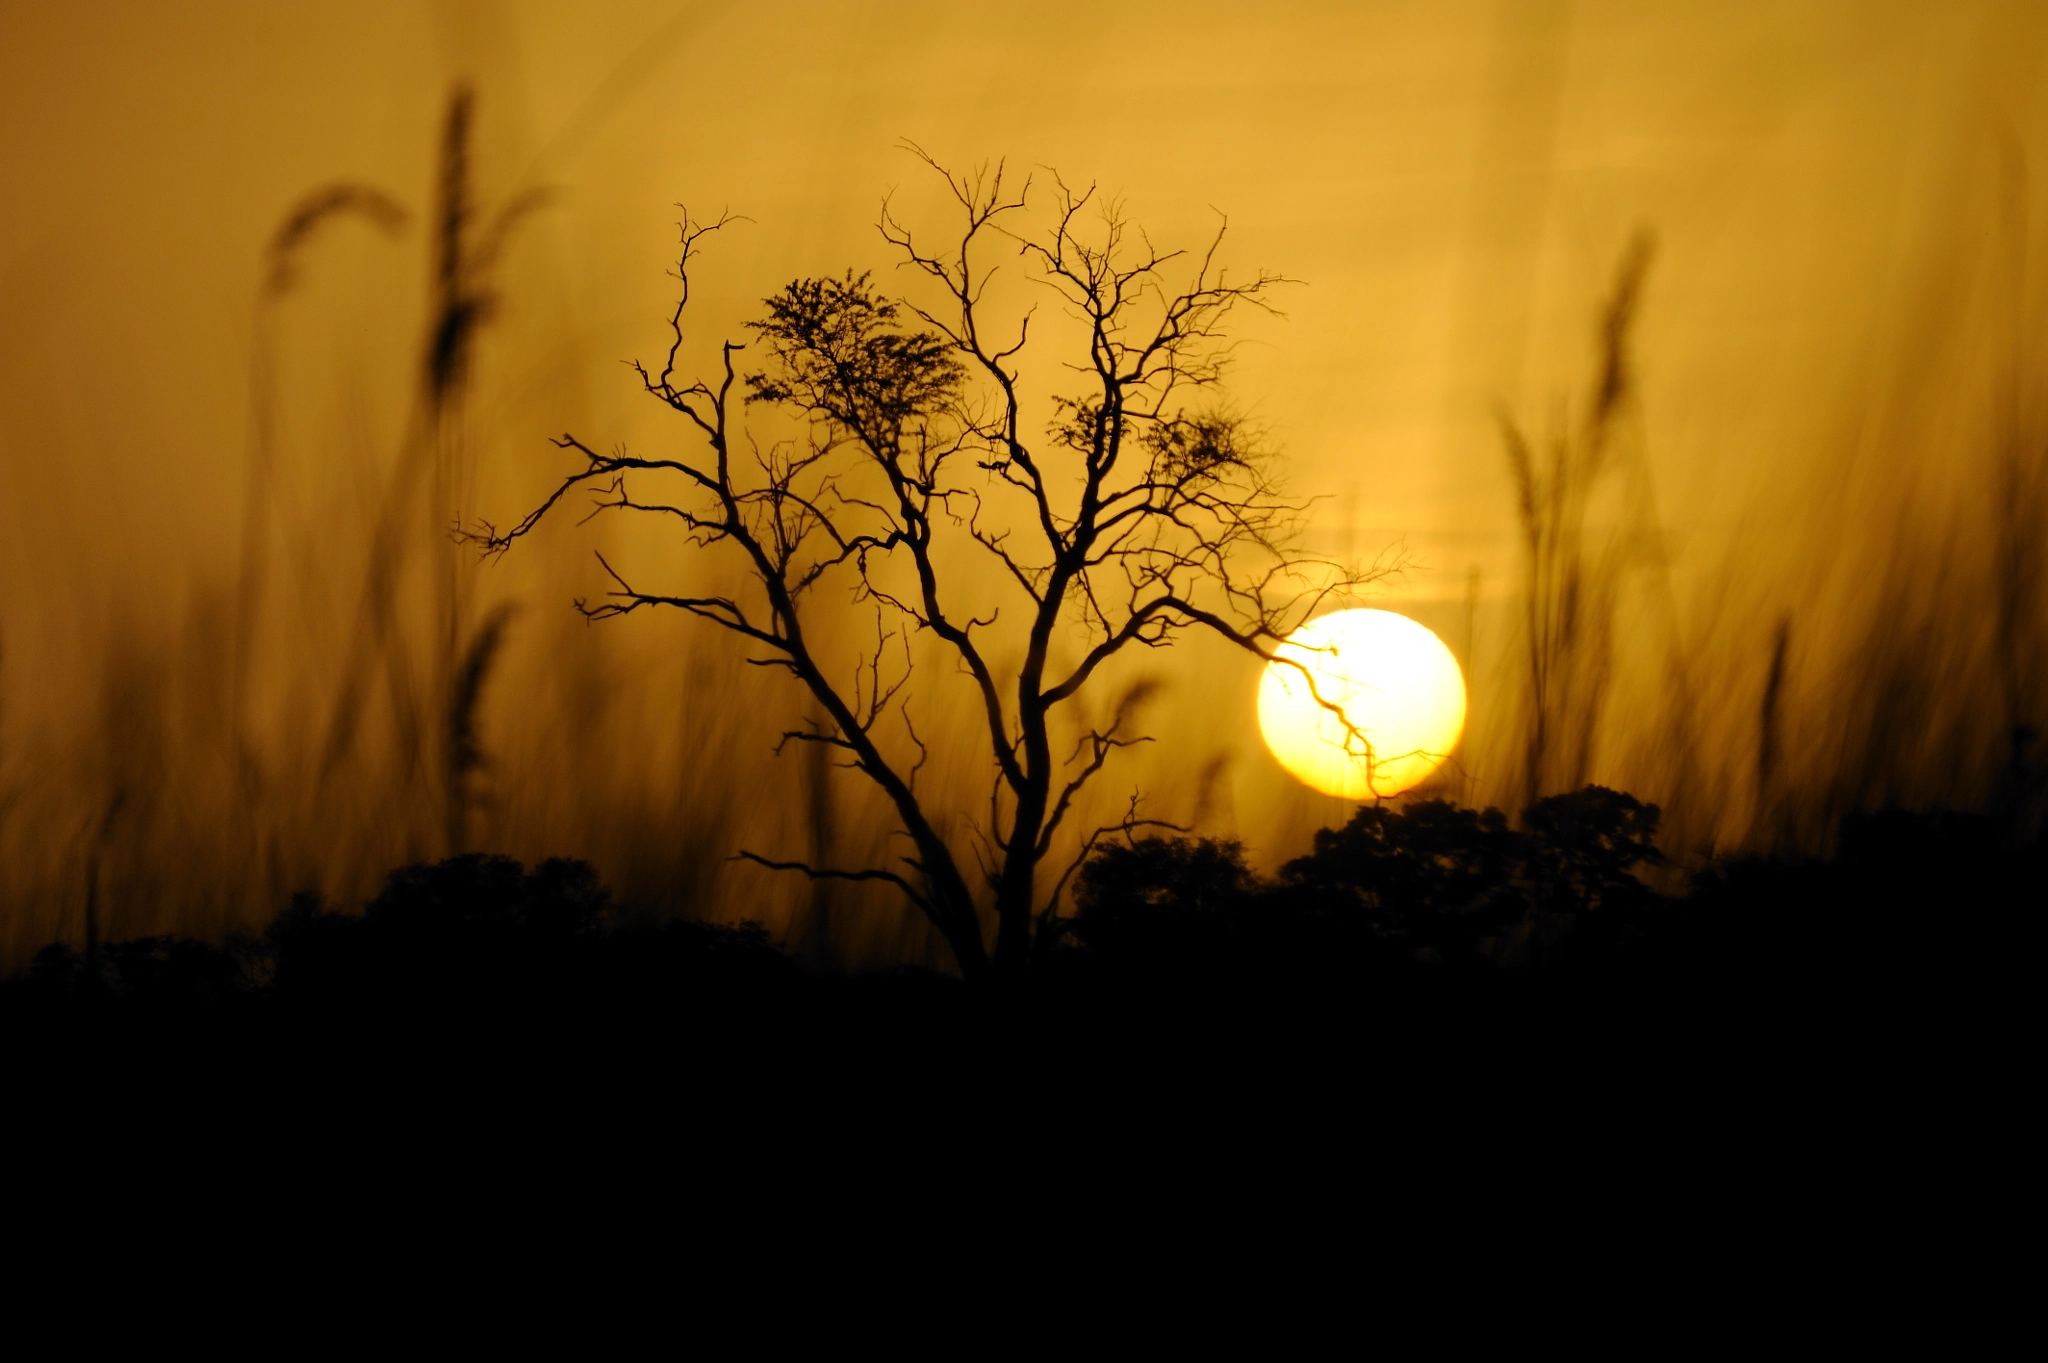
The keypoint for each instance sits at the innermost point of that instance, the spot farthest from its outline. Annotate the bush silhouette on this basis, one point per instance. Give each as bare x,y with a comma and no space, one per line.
1582,848
1431,881
1923,922
1427,885
1913,905
1162,904
453,925
162,976
482,932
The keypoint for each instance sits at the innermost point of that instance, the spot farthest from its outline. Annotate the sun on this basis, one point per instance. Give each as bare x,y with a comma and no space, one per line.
1396,684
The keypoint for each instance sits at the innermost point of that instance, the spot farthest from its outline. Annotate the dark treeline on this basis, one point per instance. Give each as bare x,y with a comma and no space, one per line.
1407,934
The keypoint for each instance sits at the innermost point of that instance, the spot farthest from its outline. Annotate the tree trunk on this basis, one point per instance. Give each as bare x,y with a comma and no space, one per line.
1014,894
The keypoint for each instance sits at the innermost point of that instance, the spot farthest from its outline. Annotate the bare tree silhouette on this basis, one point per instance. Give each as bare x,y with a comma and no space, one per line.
1147,510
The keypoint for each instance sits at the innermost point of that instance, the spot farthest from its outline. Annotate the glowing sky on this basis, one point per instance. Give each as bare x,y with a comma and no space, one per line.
1845,198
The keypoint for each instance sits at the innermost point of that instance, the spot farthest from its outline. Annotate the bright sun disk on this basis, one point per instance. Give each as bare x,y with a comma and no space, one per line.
1395,683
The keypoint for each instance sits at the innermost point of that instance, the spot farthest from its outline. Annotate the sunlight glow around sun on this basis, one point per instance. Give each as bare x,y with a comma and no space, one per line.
1394,681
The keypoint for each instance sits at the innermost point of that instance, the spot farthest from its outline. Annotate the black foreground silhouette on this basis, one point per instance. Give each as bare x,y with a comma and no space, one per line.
1430,940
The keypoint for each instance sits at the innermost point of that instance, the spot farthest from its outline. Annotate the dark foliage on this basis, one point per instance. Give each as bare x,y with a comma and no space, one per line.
1920,909
1431,882
1431,885
473,942
1162,903
157,975
482,935
466,925
1582,847
1432,942
842,357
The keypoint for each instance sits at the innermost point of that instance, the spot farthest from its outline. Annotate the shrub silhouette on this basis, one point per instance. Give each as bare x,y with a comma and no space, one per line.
482,932
1158,904
158,975
1917,906
1445,927
1432,880
458,926
1582,847
1428,885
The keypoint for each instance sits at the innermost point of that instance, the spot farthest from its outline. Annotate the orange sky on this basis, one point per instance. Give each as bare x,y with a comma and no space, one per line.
1453,182
1843,196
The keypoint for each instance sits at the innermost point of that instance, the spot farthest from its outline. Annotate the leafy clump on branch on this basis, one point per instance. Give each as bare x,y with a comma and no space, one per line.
1147,510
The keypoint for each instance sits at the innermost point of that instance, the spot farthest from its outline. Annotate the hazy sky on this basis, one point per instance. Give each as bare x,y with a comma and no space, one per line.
1837,345
1844,198
1453,182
